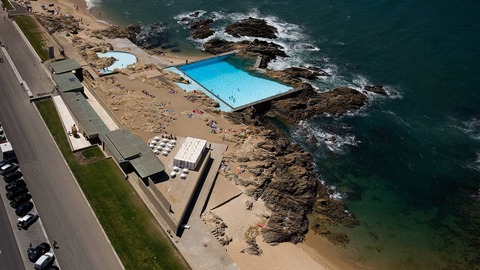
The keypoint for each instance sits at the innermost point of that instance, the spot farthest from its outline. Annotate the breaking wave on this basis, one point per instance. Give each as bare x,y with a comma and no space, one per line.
333,136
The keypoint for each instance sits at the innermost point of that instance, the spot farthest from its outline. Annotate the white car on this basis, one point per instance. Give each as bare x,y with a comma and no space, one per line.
26,221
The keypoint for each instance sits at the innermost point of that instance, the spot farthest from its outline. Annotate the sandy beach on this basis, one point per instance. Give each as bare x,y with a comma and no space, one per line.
149,106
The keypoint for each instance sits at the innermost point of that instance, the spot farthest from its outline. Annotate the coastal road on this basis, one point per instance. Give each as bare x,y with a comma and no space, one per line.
26,62
65,213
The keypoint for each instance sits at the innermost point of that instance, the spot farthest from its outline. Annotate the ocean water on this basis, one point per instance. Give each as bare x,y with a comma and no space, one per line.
408,165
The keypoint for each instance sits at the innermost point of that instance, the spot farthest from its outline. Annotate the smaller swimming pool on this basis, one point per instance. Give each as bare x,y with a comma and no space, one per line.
122,60
228,84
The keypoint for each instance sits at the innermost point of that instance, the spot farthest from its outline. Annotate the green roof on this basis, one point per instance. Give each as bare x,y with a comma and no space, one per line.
64,66
125,146
90,123
67,82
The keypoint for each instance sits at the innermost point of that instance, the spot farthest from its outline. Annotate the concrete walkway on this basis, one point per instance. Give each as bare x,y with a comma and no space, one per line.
125,45
67,120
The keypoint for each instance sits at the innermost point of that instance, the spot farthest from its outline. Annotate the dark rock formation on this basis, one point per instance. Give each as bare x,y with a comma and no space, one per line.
115,31
284,177
268,50
377,89
54,24
251,27
294,75
309,103
201,29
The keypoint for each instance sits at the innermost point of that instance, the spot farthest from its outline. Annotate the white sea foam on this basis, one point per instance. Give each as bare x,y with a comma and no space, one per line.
333,138
470,127
92,3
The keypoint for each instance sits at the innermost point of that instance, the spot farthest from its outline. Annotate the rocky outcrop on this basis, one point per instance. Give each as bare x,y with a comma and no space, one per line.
377,89
60,23
284,177
201,29
217,227
252,27
174,77
115,31
89,51
308,103
256,47
294,75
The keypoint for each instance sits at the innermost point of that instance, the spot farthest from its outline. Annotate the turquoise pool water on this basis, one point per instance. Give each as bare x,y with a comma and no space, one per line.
228,84
122,60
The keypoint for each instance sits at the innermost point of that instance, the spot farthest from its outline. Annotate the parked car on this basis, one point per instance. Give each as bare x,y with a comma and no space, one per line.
3,138
9,167
10,177
15,184
38,251
26,221
25,197
24,208
15,192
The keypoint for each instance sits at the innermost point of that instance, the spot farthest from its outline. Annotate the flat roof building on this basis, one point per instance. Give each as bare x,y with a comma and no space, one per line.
67,82
130,150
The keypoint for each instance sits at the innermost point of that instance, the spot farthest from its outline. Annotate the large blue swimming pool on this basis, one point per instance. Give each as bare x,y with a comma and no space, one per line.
229,84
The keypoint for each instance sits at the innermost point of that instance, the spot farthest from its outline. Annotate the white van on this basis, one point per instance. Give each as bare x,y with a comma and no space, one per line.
44,261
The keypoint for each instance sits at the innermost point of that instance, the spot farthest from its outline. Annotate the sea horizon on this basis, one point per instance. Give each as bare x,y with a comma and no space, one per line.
407,165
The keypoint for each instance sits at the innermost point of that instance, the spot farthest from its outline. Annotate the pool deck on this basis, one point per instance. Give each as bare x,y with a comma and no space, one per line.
125,45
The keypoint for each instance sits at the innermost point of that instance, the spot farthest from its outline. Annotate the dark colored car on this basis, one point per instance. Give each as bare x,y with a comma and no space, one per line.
15,192
10,177
25,197
38,251
24,208
15,184
9,167
26,221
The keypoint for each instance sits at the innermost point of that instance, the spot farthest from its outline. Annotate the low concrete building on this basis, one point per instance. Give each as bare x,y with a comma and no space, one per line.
67,66
131,152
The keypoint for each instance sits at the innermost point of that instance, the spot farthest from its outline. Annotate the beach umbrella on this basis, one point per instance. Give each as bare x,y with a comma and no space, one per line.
157,138
185,170
183,176
165,153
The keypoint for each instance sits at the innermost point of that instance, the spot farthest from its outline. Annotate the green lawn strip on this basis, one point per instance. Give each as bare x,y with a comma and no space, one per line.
33,33
7,4
130,226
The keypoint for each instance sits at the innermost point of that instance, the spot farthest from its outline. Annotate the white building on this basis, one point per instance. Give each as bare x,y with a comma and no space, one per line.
190,153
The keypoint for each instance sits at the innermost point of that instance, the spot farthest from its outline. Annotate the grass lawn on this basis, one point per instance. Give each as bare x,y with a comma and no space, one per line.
31,30
137,238
7,4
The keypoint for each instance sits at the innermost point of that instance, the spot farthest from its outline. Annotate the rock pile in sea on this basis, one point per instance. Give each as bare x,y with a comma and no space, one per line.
201,29
268,50
252,27
308,103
